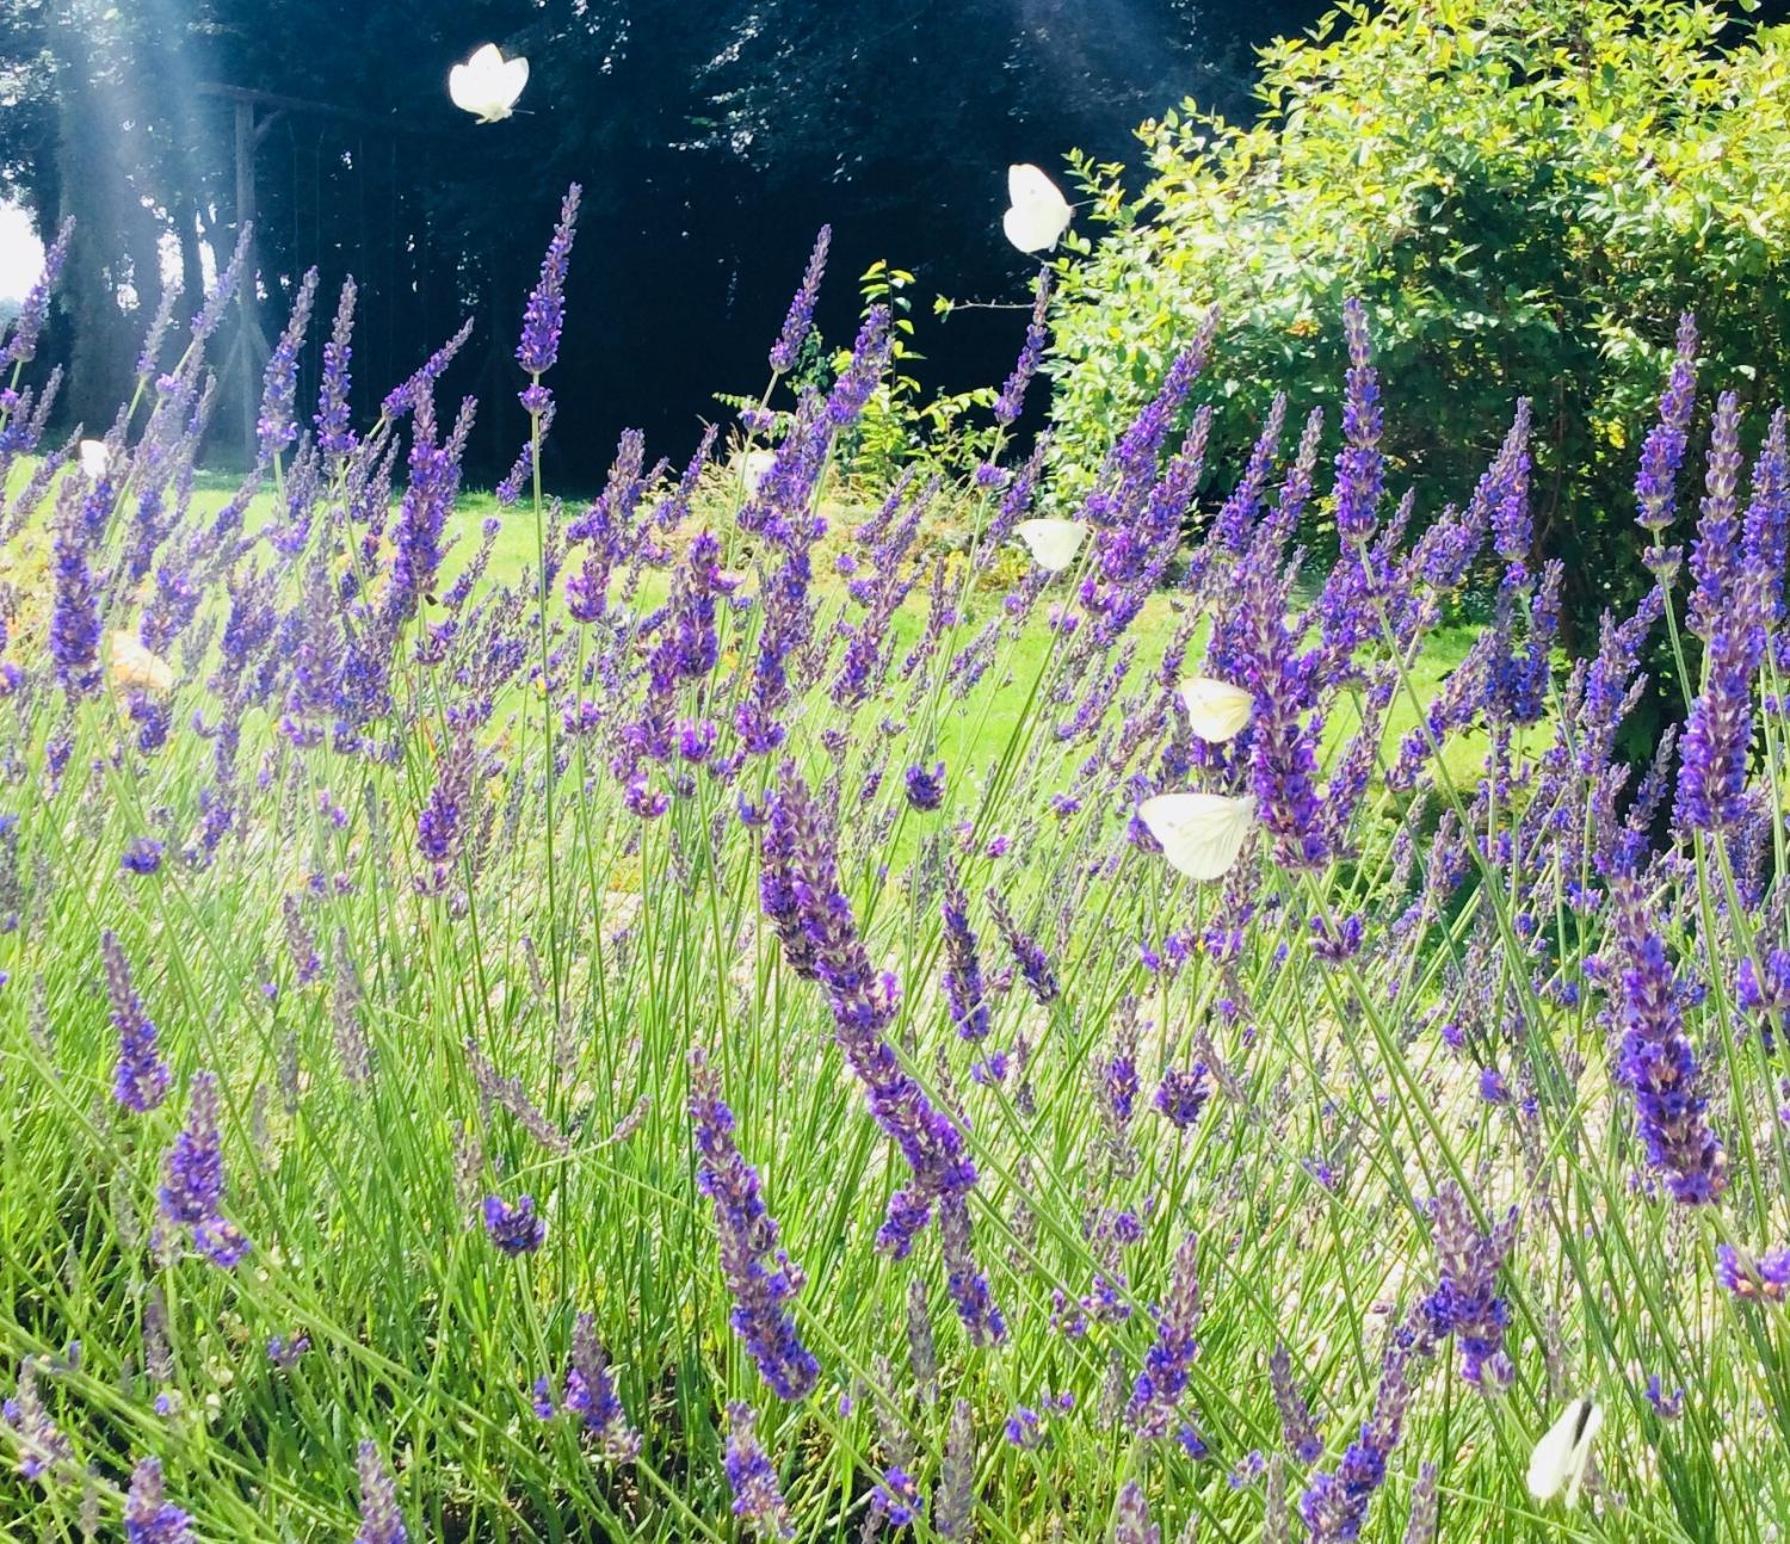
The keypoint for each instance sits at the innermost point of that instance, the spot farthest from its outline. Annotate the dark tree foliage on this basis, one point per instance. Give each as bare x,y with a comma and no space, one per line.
711,138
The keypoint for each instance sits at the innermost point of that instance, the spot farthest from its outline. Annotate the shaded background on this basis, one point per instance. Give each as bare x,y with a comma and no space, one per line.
712,138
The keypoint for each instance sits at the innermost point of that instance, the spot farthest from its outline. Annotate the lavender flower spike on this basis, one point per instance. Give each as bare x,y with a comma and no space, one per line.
193,1190
380,1520
27,327
1131,1521
1360,468
517,1229
1304,1441
1335,1504
149,1517
1466,1303
758,1273
1656,483
757,1500
141,1082
788,347
964,990
1656,1060
1156,1395
1011,402
277,427
590,1394
545,318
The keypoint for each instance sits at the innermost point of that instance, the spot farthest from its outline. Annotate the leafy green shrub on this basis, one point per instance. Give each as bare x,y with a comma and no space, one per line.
1526,193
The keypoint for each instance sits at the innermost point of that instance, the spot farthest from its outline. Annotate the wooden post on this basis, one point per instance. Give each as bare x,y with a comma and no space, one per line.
253,352
247,353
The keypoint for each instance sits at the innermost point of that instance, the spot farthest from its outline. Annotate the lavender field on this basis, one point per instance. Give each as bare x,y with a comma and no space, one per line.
756,1006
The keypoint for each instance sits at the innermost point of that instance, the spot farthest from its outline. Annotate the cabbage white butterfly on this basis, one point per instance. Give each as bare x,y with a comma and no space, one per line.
134,666
1560,1457
487,84
1201,833
1216,710
1039,214
756,464
1052,543
95,458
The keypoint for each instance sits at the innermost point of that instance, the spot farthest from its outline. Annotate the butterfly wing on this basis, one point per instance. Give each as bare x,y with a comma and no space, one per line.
134,666
1581,1454
1040,214
758,464
94,458
1216,710
513,80
1552,1464
1201,833
1052,543
487,85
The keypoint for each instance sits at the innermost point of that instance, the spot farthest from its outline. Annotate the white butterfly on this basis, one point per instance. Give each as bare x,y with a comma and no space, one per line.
1216,710
95,458
1201,833
1560,1457
488,84
1039,214
134,665
757,463
1052,543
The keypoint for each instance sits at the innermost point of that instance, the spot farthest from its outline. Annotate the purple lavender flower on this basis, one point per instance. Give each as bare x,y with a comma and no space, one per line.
141,1082
926,787
545,317
192,1192
74,609
223,292
964,990
1733,608
1182,1094
27,326
1156,1394
788,347
592,1397
1360,468
1715,556
1668,1407
335,433
149,1517
404,397
981,1318
142,855
757,1499
897,1498
760,1276
1465,1303
1011,402
800,893
277,427
515,1229
1656,1061
43,1449
1304,1441
1765,534
380,1520
1034,963
1764,1279
1131,1520
1335,1503
286,1351
954,1502
1656,490
870,352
